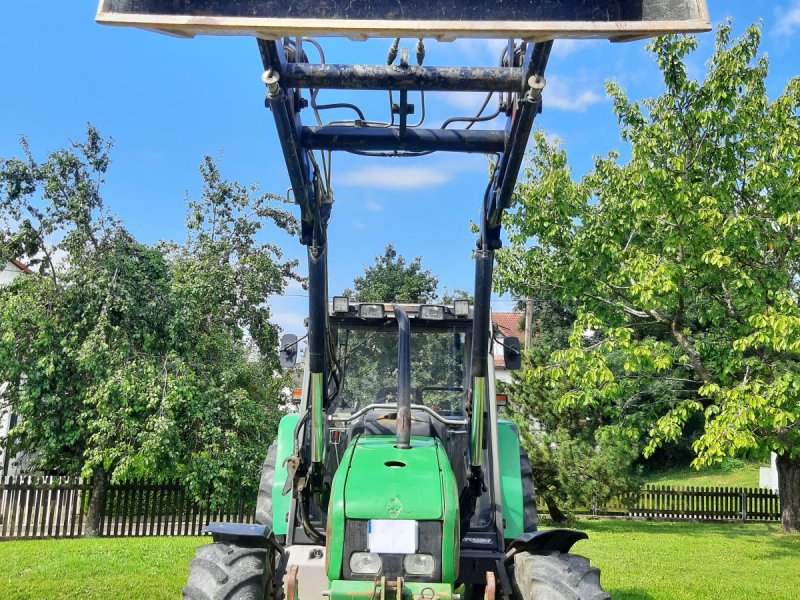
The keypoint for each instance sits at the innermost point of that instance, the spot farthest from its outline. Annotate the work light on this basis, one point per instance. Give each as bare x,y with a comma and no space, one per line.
431,312
461,308
371,311
341,304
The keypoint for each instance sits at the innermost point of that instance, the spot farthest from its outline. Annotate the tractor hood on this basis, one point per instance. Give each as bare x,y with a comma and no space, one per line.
384,482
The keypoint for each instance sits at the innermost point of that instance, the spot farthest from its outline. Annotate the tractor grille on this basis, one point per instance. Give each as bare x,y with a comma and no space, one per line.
429,542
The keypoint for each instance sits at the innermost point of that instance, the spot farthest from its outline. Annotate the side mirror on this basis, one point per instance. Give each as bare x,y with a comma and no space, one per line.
511,353
287,355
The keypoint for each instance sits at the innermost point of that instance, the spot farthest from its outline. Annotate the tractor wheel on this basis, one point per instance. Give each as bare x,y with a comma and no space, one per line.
227,571
555,576
530,517
264,501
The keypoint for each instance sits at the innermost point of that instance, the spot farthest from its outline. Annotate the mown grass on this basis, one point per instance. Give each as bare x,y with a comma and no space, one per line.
731,473
130,568
640,561
653,560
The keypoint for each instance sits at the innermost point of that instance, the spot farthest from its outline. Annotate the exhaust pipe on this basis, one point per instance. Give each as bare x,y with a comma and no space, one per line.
403,378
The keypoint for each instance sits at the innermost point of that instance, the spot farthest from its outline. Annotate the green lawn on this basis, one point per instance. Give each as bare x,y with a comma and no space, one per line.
640,560
731,473
132,568
651,560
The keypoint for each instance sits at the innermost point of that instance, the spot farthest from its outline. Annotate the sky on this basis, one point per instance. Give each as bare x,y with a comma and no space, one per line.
168,102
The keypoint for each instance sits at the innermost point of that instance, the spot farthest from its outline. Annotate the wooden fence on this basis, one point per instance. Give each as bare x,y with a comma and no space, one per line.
692,503
54,507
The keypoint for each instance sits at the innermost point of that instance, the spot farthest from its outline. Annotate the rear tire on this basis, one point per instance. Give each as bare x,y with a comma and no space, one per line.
555,576
530,517
227,571
264,501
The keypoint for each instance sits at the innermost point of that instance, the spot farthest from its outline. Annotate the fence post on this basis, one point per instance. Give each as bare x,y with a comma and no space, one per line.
744,504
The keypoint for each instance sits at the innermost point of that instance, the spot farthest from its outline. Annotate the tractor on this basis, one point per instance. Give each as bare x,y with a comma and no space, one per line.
396,478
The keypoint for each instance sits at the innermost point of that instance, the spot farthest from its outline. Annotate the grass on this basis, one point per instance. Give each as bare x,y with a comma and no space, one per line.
640,561
730,473
655,561
130,568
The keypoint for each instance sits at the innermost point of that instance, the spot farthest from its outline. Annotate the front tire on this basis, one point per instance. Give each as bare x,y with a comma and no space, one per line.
555,576
227,571
264,501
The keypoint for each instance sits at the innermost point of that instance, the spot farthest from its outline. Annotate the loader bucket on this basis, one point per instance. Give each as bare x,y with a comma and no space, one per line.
533,20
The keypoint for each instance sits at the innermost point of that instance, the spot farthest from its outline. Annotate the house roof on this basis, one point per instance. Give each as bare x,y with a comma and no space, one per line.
508,324
20,266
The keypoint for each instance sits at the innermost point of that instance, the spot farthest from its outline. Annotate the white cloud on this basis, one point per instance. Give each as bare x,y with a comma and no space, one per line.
568,95
290,322
374,206
358,225
566,47
788,20
394,177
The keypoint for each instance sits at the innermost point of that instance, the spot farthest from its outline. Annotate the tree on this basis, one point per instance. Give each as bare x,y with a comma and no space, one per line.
392,279
685,260
124,360
580,454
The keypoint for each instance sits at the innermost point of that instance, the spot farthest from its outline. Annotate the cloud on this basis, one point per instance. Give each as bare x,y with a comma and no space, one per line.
374,206
567,95
288,321
566,47
358,225
788,20
394,177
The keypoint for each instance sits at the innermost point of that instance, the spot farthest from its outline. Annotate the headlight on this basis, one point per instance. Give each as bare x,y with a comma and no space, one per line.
417,564
365,563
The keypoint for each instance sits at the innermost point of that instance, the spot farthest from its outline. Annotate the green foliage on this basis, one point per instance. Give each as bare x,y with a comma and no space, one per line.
393,279
684,261
124,360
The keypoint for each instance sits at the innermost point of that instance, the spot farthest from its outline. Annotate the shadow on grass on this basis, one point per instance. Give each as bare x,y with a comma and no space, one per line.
629,594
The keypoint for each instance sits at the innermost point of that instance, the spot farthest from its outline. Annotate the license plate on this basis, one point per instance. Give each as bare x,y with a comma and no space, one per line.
392,537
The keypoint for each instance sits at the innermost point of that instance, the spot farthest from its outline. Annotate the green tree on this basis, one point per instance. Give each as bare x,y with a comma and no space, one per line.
393,279
684,260
580,454
124,360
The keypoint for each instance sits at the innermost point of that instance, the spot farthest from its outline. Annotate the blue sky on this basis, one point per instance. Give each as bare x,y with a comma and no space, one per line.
167,102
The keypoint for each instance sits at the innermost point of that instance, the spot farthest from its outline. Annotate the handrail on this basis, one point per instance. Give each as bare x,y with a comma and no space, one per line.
422,407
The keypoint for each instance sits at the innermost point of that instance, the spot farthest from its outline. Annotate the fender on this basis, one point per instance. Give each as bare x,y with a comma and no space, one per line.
545,542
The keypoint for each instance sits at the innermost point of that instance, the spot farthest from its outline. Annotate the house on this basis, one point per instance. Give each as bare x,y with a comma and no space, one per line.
12,269
505,325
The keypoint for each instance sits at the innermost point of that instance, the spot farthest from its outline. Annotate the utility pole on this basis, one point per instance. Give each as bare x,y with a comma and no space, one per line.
528,321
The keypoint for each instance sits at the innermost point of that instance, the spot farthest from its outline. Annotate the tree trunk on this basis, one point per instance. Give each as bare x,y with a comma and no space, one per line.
93,522
789,491
555,512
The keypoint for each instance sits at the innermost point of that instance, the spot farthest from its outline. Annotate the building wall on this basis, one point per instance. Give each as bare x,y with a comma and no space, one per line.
8,274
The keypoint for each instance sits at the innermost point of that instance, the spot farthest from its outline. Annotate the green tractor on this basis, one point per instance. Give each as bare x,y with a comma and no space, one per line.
396,478
399,515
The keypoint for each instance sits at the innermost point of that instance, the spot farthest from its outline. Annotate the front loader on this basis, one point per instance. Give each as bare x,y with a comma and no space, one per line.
396,478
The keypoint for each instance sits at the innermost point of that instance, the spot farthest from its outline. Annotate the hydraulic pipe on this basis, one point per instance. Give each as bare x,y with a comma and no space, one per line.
317,327
484,263
415,140
403,378
391,77
287,134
